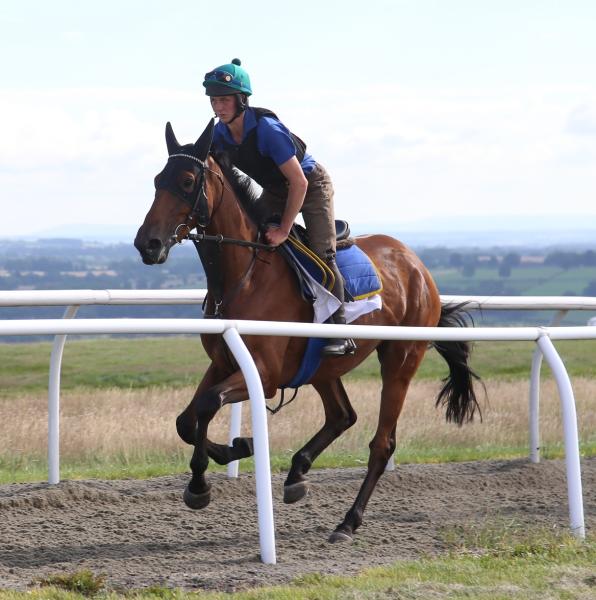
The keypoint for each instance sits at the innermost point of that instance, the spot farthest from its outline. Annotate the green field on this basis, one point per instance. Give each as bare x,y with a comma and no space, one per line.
156,377
180,361
525,281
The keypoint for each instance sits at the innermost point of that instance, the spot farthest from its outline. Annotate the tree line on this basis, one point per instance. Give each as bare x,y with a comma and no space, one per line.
72,264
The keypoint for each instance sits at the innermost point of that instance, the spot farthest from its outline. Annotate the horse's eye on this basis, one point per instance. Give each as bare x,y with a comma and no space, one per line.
188,183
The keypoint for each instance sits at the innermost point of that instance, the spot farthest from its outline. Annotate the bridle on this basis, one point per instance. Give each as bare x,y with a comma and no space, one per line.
197,198
200,208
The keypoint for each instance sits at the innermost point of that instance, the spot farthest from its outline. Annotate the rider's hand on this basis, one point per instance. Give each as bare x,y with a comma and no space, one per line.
275,236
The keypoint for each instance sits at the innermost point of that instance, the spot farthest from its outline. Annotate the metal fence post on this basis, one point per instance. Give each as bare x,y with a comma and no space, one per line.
235,426
261,443
54,401
574,481
534,410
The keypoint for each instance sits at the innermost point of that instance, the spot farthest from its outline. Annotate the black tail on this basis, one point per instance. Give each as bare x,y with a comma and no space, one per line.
458,394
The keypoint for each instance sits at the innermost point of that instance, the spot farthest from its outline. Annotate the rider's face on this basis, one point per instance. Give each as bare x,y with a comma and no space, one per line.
224,107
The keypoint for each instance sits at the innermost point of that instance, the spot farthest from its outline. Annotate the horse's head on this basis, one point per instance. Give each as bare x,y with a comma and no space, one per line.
181,198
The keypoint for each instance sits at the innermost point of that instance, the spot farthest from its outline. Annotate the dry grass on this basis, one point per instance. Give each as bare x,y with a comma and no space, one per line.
136,423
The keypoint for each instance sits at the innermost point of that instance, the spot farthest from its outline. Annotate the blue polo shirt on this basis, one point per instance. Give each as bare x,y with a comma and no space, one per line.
273,139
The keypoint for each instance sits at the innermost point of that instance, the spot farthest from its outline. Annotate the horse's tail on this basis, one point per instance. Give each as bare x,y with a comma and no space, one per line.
457,395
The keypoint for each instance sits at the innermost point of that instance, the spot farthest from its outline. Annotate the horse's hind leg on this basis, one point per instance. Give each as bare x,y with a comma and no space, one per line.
339,416
399,362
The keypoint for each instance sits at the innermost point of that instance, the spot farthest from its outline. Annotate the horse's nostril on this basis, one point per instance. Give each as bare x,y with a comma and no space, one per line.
154,244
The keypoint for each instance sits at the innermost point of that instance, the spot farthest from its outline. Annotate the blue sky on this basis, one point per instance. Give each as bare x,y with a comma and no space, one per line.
419,109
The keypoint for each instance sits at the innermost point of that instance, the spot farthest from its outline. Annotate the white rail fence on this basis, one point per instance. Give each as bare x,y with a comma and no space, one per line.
232,330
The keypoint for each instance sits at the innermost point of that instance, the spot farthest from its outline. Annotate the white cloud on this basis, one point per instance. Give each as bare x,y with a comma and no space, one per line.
73,36
45,129
409,152
413,153
505,131
582,119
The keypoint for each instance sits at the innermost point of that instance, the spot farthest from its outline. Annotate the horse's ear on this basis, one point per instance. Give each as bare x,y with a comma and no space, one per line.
171,141
203,144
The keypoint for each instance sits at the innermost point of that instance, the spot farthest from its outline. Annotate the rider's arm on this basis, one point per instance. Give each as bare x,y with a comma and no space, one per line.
275,141
292,171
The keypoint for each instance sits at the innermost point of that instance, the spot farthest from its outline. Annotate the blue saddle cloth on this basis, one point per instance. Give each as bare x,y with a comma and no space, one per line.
362,281
361,277
359,273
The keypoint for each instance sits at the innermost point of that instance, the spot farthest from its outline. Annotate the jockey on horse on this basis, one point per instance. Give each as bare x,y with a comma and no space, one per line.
260,145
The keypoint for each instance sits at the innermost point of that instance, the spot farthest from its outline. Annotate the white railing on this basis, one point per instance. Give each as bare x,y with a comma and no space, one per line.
231,331
86,297
74,299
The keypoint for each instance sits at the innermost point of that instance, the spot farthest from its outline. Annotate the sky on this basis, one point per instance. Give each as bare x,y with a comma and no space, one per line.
420,109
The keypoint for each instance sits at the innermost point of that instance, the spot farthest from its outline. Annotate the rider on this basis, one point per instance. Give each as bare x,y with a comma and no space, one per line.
292,181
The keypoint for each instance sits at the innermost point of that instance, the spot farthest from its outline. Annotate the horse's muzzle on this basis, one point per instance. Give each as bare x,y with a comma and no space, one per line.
153,252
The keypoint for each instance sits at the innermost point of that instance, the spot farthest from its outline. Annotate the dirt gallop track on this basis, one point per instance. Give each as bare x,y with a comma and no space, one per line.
139,533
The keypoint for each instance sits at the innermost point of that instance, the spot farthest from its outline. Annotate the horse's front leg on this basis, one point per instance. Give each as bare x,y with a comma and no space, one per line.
222,454
232,389
186,425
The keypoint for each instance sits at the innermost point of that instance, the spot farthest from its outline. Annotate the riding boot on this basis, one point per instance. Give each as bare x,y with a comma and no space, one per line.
338,347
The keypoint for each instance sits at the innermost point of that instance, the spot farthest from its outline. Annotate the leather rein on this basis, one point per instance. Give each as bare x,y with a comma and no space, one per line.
200,211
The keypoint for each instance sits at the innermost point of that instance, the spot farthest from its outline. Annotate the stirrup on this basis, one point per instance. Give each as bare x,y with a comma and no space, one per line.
339,347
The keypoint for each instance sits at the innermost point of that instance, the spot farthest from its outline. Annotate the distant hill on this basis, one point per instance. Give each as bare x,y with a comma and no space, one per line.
90,232
530,231
472,231
66,263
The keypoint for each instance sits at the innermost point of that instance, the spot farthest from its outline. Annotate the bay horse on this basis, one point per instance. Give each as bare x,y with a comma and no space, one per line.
245,281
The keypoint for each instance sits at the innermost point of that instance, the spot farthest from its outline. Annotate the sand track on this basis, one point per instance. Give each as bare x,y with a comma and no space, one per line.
139,533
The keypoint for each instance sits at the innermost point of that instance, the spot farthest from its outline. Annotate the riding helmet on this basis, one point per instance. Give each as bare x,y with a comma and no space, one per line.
227,79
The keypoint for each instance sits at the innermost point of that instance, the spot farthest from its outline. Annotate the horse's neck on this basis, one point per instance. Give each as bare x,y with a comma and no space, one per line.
235,275
231,221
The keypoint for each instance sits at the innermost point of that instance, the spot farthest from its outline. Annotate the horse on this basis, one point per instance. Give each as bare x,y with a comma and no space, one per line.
248,280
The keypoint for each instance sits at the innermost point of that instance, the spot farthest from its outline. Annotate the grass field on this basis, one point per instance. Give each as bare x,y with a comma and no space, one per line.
121,397
118,433
133,363
527,281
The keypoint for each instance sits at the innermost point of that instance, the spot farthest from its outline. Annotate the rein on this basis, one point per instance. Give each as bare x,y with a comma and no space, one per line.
220,239
232,293
198,208
211,260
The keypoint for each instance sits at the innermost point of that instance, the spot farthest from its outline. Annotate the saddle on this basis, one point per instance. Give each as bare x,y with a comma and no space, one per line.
304,262
361,281
360,276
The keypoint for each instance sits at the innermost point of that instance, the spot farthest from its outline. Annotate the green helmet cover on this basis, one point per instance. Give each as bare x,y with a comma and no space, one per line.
227,79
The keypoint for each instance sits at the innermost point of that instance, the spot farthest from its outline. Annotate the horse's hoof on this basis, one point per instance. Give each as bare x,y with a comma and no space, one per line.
340,537
295,491
196,501
244,446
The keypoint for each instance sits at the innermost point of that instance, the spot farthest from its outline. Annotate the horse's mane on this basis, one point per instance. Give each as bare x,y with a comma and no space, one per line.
246,189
